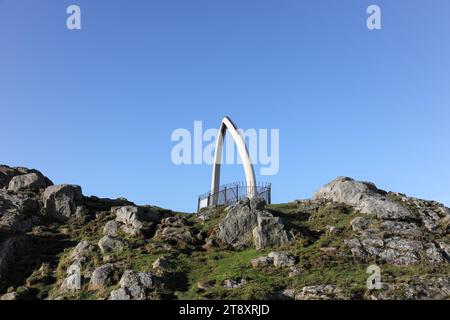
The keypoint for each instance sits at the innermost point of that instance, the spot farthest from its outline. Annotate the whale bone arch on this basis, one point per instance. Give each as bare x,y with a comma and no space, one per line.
250,179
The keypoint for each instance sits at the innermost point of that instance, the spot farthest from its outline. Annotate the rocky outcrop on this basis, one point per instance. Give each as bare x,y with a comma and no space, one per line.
31,181
418,288
269,232
364,196
8,173
175,230
247,221
136,221
60,201
395,228
18,212
348,225
238,224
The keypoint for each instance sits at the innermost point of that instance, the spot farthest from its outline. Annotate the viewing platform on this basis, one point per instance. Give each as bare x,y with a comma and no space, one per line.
231,193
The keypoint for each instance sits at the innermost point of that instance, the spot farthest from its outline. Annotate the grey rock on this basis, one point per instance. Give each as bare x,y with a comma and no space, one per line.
17,221
247,220
104,276
417,288
282,259
83,249
175,229
8,173
240,221
170,234
363,196
135,285
401,251
30,181
175,221
110,244
73,281
321,292
261,262
60,200
81,212
135,221
295,271
433,254
446,248
269,232
111,228
120,294
18,212
399,228
359,223
234,283
128,216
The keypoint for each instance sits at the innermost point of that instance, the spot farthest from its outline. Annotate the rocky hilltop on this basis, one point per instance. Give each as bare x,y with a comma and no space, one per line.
56,243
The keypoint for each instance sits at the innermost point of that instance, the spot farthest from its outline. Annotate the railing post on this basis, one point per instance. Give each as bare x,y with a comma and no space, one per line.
225,196
270,194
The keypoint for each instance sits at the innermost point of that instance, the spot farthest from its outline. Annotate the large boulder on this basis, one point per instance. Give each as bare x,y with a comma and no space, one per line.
248,220
7,174
73,280
60,200
110,244
111,228
363,196
136,221
269,232
234,229
135,286
104,276
31,181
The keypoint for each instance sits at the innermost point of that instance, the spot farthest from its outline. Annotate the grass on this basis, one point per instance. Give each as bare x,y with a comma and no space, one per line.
217,266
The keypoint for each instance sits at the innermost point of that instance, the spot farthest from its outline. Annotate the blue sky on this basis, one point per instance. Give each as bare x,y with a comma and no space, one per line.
96,107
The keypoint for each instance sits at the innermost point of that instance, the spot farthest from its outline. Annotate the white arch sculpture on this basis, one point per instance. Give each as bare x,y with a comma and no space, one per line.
227,124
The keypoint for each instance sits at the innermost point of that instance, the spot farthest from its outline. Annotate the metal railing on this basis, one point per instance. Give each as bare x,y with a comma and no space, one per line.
232,193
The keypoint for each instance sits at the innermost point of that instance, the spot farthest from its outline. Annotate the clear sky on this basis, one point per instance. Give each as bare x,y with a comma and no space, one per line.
96,106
